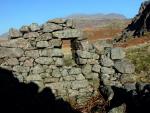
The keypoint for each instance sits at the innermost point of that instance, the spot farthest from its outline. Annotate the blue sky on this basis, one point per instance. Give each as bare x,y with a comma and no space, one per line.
15,13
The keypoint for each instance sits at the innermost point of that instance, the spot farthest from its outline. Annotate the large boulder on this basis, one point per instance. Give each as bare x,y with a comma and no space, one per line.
124,66
117,53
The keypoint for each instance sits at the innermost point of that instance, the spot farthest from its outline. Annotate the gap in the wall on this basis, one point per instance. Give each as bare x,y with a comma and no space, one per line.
68,57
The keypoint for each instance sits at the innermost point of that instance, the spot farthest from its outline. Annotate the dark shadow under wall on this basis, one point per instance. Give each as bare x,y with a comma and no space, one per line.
16,97
136,102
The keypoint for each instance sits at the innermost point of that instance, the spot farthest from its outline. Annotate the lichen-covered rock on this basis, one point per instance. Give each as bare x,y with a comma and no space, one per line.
81,61
24,29
11,52
59,61
69,23
34,77
42,44
106,61
14,33
44,60
45,52
56,52
86,69
32,53
49,27
81,45
57,21
83,54
22,69
28,62
117,53
56,73
66,34
34,27
44,37
55,43
75,71
12,61
80,77
106,70
79,84
124,66
37,69
16,43
31,35
96,68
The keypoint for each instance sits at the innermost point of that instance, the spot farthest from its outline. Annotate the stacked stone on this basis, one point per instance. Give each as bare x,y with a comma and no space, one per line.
88,60
34,54
115,67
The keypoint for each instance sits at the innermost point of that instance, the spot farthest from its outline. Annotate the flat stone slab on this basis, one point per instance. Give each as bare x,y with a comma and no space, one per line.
67,34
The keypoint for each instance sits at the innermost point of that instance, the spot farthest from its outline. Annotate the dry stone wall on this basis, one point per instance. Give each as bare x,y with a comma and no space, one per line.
34,54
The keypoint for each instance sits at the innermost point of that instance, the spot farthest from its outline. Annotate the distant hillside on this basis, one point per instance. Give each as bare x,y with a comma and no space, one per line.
98,16
96,20
4,36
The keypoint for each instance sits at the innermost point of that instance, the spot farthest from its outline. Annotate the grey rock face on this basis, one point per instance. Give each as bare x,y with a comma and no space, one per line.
56,73
45,52
37,69
12,61
34,27
57,21
56,53
83,54
106,70
24,29
21,69
44,60
106,61
117,53
31,35
32,53
66,34
16,43
124,66
34,77
79,84
86,69
42,44
55,43
69,23
96,68
81,61
11,52
44,37
49,27
82,45
75,71
59,61
14,33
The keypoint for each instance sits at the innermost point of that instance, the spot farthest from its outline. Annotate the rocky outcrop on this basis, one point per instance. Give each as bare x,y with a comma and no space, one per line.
139,25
